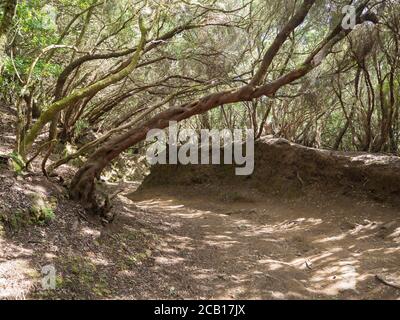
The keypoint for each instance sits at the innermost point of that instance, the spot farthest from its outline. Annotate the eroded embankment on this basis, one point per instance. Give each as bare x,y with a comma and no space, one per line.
286,169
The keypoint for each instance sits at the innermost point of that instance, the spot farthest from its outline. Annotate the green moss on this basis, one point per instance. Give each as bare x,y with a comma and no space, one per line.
42,210
15,220
137,258
59,281
81,93
81,275
17,163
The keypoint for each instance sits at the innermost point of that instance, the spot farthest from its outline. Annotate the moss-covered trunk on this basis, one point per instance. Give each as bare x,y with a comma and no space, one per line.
5,26
79,94
83,185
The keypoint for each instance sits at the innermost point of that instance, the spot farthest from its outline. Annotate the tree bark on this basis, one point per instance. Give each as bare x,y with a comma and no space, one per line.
54,109
5,26
82,187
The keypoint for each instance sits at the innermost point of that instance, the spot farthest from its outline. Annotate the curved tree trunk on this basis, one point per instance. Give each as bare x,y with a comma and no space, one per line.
5,26
55,108
83,185
83,188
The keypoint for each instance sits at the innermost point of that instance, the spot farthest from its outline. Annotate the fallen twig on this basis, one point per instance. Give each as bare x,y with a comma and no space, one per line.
124,246
299,178
384,281
84,217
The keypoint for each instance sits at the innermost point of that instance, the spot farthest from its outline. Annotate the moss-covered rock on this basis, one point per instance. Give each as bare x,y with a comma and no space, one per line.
15,220
42,209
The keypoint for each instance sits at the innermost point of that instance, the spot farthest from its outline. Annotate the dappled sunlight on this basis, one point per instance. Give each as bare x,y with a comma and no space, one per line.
288,295
32,188
396,235
16,278
266,252
370,226
292,254
273,265
222,242
230,257
203,273
169,207
14,250
392,250
169,260
336,278
98,260
333,238
191,215
372,159
358,230
90,232
200,149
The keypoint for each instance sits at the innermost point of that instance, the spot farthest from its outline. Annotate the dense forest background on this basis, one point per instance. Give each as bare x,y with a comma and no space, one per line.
82,82
108,67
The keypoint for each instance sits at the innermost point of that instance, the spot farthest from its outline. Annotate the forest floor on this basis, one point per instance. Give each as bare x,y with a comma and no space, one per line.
170,246
180,243
315,247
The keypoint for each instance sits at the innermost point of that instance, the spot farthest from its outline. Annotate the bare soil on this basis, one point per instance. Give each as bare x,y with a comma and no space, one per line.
207,234
307,224
179,245
312,247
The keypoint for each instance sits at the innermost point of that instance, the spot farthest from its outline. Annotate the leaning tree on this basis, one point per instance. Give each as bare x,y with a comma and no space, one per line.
8,7
122,69
83,185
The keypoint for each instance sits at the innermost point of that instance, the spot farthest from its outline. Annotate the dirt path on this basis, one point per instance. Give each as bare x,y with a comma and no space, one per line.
305,248
178,245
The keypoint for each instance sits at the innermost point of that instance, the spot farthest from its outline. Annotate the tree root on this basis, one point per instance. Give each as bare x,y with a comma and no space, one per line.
384,281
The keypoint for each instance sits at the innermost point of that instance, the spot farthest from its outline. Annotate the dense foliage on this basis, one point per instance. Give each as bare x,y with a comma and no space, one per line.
284,68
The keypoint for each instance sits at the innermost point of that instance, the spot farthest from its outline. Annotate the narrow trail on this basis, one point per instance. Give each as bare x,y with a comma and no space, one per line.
178,244
325,249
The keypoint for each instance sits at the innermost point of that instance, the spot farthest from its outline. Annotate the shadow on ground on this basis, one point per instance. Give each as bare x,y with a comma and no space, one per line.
178,245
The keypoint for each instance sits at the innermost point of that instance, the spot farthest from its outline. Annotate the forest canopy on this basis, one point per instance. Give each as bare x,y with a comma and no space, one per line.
119,68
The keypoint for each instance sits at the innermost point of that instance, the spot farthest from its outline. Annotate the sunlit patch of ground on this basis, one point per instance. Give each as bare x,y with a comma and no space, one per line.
170,245
329,249
17,277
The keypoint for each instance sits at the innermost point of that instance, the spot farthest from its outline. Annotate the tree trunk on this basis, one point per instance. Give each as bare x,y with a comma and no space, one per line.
83,188
54,109
5,26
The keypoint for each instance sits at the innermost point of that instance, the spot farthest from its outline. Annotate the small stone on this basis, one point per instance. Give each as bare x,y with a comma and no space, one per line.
389,225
